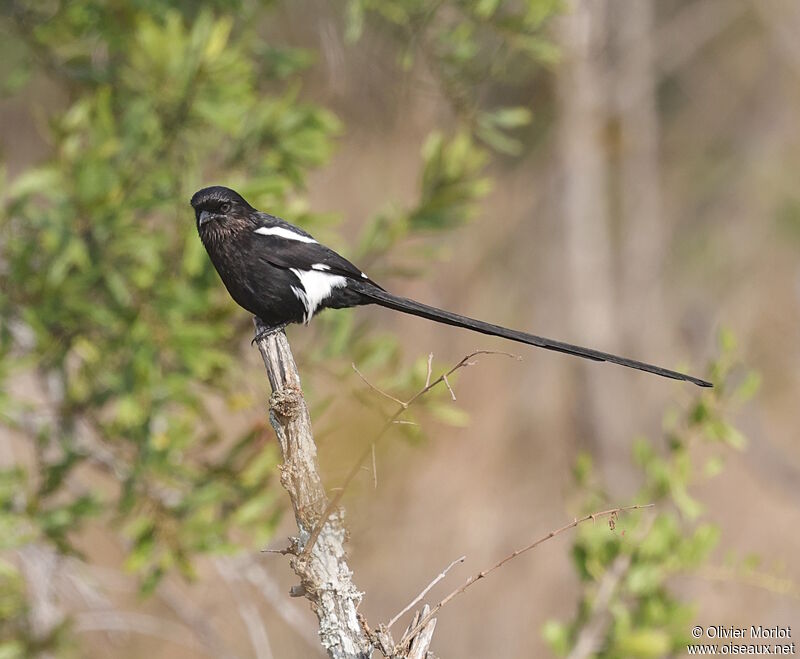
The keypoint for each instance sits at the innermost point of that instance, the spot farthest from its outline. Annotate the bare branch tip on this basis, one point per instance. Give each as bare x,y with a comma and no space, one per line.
374,467
449,388
424,592
430,370
286,551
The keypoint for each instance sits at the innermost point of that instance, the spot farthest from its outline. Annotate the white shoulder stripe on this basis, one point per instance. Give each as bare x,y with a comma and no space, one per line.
320,266
283,232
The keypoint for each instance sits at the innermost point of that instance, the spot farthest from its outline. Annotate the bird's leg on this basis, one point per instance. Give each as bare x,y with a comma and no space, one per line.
264,333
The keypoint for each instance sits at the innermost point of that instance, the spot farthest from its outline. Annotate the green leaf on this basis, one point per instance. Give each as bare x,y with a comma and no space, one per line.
644,643
556,635
511,117
714,466
12,650
583,468
38,180
749,387
644,579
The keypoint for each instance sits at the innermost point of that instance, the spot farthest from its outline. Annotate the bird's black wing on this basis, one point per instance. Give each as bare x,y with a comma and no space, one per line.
286,246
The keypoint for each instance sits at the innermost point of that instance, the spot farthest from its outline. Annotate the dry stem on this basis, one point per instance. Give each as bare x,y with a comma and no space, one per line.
480,575
402,407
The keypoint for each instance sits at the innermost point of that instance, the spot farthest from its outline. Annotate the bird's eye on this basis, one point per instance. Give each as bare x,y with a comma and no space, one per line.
225,207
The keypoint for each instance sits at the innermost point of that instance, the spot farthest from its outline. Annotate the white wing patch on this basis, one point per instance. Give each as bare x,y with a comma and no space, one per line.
320,266
283,232
316,287
301,295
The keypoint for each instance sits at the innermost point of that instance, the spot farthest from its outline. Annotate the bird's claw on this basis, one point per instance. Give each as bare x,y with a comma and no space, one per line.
264,333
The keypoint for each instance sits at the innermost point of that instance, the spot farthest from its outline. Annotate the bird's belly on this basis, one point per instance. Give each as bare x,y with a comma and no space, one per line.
265,291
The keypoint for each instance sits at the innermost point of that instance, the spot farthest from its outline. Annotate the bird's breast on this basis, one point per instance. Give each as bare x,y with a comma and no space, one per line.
255,284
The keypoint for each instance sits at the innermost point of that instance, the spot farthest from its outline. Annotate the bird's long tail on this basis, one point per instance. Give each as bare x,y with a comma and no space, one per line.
386,299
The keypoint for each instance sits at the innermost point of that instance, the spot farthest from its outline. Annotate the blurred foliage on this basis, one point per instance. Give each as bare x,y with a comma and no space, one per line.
18,637
625,573
109,307
788,220
474,49
107,295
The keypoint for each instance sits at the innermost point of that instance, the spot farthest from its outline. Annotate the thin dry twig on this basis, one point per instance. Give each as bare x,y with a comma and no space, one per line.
402,407
449,388
484,573
770,583
425,591
286,551
378,390
430,369
374,468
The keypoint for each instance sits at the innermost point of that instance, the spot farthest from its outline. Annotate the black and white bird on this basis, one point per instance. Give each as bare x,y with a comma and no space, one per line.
283,275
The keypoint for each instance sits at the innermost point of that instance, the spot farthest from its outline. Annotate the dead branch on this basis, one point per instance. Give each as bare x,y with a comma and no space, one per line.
422,641
425,591
425,619
325,578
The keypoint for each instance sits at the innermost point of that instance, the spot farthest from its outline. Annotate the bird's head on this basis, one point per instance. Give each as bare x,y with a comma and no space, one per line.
219,209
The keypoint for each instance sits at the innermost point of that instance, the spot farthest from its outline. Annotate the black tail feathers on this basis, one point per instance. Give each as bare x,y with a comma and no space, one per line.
386,299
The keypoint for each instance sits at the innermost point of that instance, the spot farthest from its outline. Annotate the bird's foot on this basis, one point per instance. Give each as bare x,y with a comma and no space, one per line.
264,333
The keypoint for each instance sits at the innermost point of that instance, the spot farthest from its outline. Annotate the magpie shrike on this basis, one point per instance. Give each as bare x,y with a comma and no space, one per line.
281,274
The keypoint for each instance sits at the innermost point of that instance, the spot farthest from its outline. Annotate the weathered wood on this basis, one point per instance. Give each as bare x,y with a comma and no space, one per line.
421,644
325,578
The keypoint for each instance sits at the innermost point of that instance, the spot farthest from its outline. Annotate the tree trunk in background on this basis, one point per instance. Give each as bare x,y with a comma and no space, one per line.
588,248
644,233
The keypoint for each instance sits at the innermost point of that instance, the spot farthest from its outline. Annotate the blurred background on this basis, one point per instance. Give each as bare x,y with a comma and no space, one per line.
617,174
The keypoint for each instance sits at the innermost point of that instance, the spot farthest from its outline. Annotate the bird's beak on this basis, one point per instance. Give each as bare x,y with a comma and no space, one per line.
204,217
